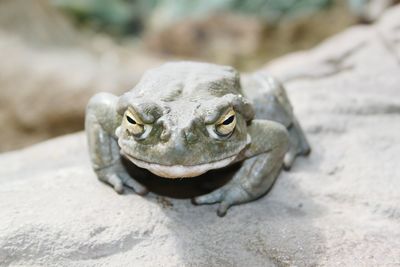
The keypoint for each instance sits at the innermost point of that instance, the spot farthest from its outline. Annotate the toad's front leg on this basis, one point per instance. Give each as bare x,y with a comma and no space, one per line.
100,123
258,172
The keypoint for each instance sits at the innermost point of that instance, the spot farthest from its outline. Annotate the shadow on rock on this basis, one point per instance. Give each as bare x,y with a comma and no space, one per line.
184,187
277,229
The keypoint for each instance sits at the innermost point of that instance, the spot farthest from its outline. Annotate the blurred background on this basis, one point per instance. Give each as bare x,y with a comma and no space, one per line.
55,54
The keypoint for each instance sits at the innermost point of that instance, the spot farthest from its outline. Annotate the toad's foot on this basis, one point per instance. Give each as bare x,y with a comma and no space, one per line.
226,196
254,179
257,174
118,178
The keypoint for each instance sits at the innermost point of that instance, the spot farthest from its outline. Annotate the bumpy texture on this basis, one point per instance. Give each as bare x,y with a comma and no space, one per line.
339,207
184,119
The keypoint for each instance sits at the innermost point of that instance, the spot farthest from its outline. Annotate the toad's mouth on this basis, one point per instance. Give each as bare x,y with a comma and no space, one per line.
180,171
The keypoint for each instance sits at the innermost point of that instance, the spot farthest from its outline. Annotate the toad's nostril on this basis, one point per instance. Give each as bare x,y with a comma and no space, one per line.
165,135
189,136
166,131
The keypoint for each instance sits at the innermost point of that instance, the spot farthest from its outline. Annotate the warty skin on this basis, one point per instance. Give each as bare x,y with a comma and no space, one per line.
185,118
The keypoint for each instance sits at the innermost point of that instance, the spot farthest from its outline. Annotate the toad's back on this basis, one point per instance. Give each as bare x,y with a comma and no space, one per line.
173,81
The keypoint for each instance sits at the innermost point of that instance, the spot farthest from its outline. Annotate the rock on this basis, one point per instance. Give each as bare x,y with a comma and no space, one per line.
210,36
339,206
46,80
41,24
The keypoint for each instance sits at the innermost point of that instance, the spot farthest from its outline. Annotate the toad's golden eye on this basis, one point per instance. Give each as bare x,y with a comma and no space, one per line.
226,124
133,123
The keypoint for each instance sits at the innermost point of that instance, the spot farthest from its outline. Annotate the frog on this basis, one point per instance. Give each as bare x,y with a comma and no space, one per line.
183,119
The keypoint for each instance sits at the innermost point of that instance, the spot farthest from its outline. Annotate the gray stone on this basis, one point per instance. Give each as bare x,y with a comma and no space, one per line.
49,72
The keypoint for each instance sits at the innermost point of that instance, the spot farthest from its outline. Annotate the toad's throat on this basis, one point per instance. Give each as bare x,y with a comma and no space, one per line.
180,171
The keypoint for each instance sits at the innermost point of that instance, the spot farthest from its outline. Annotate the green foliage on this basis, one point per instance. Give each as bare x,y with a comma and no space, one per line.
116,16
274,10
129,16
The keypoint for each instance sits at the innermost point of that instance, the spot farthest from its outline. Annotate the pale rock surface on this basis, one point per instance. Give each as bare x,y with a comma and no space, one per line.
338,207
44,91
49,70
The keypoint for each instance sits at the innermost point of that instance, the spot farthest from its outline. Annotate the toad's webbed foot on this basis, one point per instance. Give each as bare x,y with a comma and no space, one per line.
226,196
253,180
117,177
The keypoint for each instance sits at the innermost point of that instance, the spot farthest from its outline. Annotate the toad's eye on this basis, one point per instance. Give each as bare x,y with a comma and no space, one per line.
229,120
130,120
224,125
135,125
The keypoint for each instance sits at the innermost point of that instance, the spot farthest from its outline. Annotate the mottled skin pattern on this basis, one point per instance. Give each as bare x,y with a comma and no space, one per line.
185,118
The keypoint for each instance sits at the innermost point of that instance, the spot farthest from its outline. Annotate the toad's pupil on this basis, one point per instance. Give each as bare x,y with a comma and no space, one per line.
130,120
228,120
